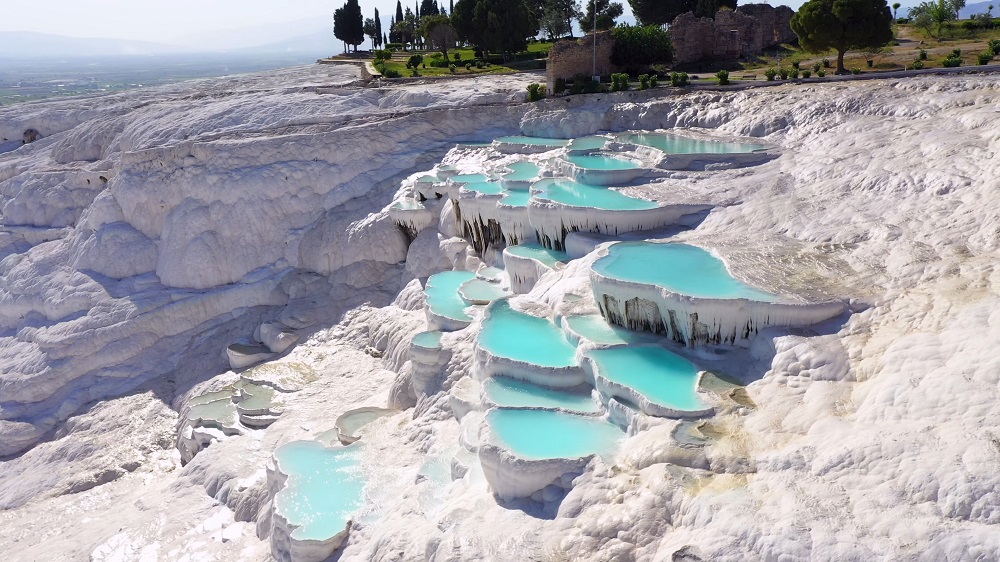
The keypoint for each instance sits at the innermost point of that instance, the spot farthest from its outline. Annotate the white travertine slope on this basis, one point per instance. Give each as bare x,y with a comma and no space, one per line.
871,437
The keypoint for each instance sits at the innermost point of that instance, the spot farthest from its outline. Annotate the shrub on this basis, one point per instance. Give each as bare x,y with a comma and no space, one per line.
653,81
414,61
560,86
917,65
591,86
826,63
806,73
723,76
984,57
794,74
382,55
770,74
480,63
993,46
637,47
535,92
855,71
394,46
457,56
452,68
923,55
391,73
438,62
783,73
817,66
678,79
951,61
957,53
820,73
619,82
795,65
414,73
643,81
468,66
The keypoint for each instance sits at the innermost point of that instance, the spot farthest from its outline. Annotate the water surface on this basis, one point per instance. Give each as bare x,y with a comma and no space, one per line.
522,337
662,377
442,294
507,392
548,434
570,192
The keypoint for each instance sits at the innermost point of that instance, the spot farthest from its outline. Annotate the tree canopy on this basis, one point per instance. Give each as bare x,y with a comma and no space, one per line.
637,47
439,33
348,24
557,17
607,13
842,25
659,12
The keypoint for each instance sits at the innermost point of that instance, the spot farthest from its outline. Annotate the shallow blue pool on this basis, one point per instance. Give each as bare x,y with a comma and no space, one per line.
570,192
673,144
469,178
514,335
663,377
534,141
547,256
596,329
684,269
601,162
508,392
480,291
442,294
588,143
428,340
516,198
485,187
521,170
324,487
548,434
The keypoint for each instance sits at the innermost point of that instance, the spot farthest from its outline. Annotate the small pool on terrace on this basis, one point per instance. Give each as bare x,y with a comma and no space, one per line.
442,294
548,434
469,178
516,199
551,258
534,141
507,392
484,187
521,170
588,143
596,329
570,192
324,487
480,291
427,340
683,269
664,378
522,337
672,144
601,162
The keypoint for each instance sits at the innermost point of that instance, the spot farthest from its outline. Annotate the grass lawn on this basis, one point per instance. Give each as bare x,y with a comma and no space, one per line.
399,58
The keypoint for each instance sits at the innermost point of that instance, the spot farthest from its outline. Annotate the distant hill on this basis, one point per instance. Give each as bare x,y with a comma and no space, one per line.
297,34
319,44
26,45
978,8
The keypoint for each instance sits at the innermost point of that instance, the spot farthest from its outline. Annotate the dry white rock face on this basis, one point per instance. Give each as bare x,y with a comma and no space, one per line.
216,206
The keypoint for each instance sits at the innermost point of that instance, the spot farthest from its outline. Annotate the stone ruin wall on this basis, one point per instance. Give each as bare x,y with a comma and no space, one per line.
569,58
732,34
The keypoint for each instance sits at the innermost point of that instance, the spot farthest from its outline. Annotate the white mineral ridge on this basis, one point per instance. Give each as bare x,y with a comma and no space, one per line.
148,230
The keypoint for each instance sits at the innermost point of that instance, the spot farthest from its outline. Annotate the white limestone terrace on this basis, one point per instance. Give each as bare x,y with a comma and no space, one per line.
870,438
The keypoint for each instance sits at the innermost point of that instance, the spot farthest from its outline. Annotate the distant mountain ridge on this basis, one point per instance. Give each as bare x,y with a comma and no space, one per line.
303,36
977,8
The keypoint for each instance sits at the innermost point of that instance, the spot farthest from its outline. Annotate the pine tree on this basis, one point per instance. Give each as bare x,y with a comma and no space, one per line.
378,29
399,12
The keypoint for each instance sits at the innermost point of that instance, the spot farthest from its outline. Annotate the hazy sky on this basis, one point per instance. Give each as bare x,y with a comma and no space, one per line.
172,22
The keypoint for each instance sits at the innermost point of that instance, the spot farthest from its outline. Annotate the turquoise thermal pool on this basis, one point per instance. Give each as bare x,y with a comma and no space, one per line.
672,144
601,162
442,294
551,258
521,337
214,407
513,393
521,171
548,434
570,192
588,143
533,141
428,340
484,187
596,329
408,205
481,291
324,487
662,377
469,178
683,269
516,198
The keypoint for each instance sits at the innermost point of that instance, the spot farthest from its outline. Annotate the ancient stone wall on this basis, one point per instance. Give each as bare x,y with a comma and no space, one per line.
732,34
569,58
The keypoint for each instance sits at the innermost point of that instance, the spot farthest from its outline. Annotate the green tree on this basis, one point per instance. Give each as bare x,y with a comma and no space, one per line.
462,19
637,47
607,13
428,8
660,12
557,17
895,10
399,12
348,24
502,26
842,25
378,30
939,12
369,28
439,33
